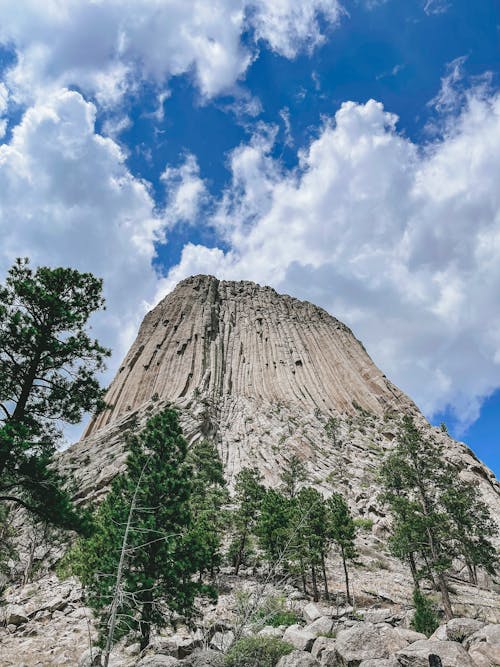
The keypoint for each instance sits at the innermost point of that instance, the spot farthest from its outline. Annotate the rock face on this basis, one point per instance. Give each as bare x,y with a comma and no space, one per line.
260,373
233,340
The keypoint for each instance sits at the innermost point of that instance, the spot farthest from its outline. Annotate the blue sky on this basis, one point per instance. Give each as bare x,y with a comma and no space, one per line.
344,152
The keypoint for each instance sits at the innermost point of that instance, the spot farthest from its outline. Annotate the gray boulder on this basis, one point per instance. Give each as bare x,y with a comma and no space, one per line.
380,662
15,615
366,641
298,659
90,658
458,629
321,626
420,654
320,645
311,612
490,634
485,654
203,658
158,661
299,637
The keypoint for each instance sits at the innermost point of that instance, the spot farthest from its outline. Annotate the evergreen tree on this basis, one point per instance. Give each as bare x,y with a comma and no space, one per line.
249,494
48,364
273,527
342,531
437,516
293,476
137,567
311,527
425,619
471,525
208,500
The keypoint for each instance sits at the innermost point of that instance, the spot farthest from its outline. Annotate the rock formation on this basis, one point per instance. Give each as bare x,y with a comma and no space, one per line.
261,374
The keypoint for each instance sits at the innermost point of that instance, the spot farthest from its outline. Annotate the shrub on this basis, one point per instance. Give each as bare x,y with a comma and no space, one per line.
257,652
363,524
425,619
275,612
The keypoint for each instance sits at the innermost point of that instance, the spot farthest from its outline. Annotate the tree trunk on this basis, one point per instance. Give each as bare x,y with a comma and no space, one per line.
413,568
303,576
241,549
18,414
314,584
323,568
472,574
145,622
346,575
445,596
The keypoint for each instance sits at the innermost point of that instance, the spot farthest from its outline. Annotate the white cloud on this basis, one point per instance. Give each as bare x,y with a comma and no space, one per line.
186,191
401,242
105,47
68,199
432,7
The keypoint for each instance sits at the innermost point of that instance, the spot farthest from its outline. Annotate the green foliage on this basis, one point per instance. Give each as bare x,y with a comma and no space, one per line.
48,364
425,619
342,531
208,500
154,493
8,552
257,652
273,527
436,515
274,612
363,523
248,496
332,429
293,475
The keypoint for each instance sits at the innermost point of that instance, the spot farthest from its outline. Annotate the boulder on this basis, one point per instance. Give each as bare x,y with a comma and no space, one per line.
378,616
158,661
320,645
15,615
221,641
90,658
271,631
321,626
490,634
380,662
366,641
458,629
485,654
299,637
419,654
329,657
298,659
409,636
311,612
203,658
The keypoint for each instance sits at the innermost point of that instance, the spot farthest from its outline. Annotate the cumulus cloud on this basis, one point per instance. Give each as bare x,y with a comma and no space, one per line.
399,241
68,199
186,191
104,48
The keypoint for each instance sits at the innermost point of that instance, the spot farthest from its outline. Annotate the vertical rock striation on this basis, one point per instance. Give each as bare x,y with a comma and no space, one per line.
226,339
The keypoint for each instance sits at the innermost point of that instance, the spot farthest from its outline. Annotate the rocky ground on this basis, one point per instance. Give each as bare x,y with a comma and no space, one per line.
46,623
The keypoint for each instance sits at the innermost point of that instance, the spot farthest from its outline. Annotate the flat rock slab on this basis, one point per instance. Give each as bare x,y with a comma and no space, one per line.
298,659
420,654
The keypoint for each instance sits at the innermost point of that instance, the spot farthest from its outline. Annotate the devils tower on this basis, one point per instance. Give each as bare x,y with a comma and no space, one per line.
263,376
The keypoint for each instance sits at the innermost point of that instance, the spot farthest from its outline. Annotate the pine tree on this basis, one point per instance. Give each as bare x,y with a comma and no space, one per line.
425,619
208,500
137,567
313,537
436,516
342,530
48,364
273,527
293,476
249,494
